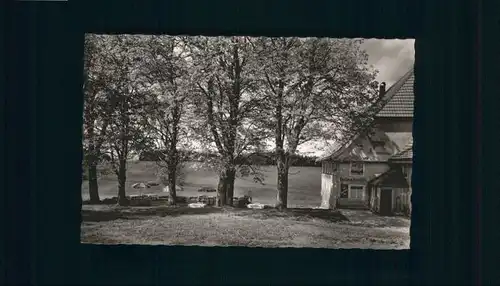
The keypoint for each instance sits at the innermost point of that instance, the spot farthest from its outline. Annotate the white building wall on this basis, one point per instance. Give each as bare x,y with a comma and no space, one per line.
327,200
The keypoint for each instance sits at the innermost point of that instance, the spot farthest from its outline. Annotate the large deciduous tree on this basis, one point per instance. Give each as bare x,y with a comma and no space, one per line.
99,103
224,71
166,76
316,88
126,135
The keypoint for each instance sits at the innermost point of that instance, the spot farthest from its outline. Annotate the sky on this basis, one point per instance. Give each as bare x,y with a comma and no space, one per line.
392,58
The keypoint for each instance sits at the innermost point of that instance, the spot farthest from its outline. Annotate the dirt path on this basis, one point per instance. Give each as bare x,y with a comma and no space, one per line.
247,228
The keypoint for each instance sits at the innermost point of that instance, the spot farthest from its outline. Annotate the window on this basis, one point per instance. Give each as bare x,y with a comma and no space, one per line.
357,168
333,167
328,168
404,170
344,191
356,192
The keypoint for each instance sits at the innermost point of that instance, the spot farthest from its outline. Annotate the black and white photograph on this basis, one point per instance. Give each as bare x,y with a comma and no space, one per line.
247,141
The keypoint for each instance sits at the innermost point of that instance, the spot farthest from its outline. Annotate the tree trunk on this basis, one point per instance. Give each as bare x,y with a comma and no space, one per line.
93,187
173,157
230,178
172,195
225,188
283,167
281,156
221,190
92,157
122,178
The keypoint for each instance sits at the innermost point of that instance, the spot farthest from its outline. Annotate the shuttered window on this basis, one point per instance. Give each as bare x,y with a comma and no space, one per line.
357,168
356,192
328,168
344,191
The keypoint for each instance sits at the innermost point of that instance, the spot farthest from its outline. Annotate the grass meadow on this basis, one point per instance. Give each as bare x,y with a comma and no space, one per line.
304,184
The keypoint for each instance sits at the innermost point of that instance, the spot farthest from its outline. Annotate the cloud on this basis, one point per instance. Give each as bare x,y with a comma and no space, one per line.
392,58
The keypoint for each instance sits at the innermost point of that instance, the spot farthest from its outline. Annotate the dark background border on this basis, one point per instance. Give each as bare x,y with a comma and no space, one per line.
43,111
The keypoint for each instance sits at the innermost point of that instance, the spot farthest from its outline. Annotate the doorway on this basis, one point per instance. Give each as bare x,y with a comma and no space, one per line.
385,201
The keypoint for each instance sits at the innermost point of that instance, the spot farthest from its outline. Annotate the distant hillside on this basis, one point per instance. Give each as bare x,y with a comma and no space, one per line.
263,158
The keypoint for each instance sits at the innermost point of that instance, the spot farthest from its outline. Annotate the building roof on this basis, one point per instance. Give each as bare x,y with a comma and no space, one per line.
393,178
405,154
401,139
394,143
374,147
398,100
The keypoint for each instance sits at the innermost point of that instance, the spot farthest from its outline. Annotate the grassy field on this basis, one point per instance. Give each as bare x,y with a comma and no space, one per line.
304,184
179,225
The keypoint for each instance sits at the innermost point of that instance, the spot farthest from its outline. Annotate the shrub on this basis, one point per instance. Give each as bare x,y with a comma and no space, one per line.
152,155
260,158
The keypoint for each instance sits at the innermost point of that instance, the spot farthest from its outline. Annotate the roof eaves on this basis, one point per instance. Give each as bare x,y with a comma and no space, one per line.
389,94
339,150
394,174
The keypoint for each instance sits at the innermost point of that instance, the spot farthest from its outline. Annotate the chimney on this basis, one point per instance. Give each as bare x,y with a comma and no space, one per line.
381,90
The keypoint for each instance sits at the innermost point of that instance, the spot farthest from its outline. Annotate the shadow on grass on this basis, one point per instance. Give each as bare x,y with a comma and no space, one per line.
109,213
101,216
99,239
114,213
369,219
299,214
